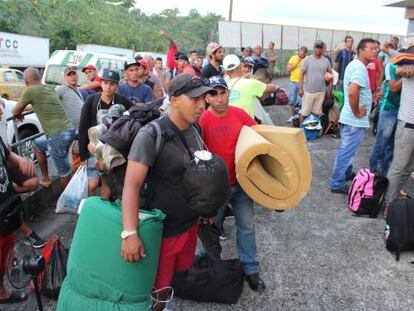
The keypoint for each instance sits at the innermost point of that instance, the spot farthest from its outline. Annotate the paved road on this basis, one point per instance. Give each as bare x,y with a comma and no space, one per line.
316,256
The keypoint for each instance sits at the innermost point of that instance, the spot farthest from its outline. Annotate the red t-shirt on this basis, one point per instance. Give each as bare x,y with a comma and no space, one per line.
373,68
172,50
188,69
220,134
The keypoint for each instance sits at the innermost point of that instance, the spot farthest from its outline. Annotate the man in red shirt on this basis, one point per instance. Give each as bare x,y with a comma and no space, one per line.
183,65
376,75
221,126
92,75
172,50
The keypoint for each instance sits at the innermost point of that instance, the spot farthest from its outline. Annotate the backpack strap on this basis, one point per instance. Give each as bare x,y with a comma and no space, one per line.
158,138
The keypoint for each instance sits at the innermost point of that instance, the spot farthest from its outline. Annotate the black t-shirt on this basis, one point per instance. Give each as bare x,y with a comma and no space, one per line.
166,173
209,71
6,186
88,118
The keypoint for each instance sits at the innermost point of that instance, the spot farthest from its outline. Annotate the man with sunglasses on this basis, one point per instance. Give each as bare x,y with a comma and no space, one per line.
163,172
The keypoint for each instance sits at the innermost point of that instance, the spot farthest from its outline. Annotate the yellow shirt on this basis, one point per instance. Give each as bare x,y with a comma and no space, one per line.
294,74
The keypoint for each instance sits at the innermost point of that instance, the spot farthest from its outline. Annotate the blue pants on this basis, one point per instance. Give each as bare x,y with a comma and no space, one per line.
383,149
245,232
351,138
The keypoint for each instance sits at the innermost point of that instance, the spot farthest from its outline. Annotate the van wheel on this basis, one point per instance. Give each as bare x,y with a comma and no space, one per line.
26,150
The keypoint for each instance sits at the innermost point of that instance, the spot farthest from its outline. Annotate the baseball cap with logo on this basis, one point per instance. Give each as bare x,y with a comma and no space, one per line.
248,61
230,62
130,62
217,81
212,47
110,75
187,84
92,67
69,69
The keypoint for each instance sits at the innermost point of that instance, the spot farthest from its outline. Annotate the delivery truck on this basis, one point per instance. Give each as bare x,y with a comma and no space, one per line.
21,51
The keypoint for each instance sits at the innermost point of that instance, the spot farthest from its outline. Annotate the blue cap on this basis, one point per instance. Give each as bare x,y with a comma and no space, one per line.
217,81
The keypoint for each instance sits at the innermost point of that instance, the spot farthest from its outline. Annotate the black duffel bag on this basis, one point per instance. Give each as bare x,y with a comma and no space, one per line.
206,184
220,282
10,215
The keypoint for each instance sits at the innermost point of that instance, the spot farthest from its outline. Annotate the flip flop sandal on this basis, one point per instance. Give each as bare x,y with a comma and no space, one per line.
15,296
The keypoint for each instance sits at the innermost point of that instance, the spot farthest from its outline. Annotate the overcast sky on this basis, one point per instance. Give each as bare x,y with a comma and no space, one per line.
360,15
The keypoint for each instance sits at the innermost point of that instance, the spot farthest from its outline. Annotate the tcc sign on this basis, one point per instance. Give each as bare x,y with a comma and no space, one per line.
9,43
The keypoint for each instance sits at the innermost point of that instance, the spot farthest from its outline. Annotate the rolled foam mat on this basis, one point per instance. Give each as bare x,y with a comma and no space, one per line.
273,165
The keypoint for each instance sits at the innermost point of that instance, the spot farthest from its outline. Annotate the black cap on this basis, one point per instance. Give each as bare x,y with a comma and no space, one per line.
130,62
110,75
181,56
319,44
187,84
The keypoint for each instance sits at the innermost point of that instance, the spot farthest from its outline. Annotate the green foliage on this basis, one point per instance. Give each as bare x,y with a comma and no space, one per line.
116,23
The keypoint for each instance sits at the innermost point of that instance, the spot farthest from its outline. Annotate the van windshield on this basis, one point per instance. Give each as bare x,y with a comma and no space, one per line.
54,73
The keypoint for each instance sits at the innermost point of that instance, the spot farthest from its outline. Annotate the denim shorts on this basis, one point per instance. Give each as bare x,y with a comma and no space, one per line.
91,170
294,98
58,147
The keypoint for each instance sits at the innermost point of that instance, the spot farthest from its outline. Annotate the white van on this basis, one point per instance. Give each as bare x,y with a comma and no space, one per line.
54,70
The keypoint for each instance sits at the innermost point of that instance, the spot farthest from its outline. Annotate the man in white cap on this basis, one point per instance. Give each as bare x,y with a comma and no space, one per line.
243,91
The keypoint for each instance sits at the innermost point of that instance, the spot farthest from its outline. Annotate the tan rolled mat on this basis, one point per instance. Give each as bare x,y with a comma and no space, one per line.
273,165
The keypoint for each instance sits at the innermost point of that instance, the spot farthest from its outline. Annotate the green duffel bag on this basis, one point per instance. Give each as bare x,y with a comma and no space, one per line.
97,271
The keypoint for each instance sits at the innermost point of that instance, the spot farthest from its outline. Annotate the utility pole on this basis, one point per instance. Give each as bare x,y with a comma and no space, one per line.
231,10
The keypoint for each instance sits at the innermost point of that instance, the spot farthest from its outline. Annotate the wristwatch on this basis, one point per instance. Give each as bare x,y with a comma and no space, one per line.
127,233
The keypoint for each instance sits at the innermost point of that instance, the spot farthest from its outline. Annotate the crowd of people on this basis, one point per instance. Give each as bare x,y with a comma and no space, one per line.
221,94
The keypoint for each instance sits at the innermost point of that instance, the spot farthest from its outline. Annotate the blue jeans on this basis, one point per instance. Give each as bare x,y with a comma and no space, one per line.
351,138
58,147
294,98
383,149
245,232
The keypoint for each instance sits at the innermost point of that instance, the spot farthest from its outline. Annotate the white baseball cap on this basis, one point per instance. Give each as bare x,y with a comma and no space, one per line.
230,62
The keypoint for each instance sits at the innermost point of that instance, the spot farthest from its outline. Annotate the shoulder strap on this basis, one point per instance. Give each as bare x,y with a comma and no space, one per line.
158,138
79,95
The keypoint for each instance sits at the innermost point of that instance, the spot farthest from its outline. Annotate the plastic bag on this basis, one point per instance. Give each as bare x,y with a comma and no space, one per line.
56,257
75,191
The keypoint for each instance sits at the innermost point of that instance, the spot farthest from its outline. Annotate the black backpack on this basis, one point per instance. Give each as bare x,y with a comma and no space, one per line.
220,282
399,230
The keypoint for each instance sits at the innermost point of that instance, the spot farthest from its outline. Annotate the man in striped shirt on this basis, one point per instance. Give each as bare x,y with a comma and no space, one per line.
343,58
403,160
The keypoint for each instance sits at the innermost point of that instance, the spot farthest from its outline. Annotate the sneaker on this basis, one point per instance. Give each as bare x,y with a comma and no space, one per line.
36,241
350,177
343,190
289,120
